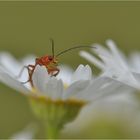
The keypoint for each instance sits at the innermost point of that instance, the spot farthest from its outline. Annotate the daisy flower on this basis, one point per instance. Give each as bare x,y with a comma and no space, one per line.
80,84
123,108
113,63
56,100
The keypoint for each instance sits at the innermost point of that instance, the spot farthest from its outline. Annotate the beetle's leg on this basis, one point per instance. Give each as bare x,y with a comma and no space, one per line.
22,70
25,82
30,69
31,66
56,70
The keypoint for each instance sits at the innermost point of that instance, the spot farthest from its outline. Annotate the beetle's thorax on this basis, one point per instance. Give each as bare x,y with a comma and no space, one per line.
46,61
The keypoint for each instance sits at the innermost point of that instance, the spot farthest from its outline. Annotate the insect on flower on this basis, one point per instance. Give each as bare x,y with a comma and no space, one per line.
49,61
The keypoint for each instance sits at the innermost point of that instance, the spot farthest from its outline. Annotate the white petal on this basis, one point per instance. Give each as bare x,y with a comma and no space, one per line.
12,67
137,76
134,62
13,83
26,134
54,88
65,74
105,56
9,63
116,65
29,59
100,50
75,88
82,73
94,87
47,85
2,69
113,88
40,78
92,59
111,57
117,55
125,77
110,88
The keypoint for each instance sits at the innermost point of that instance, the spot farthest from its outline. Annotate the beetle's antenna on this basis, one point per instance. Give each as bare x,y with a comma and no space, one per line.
52,43
73,48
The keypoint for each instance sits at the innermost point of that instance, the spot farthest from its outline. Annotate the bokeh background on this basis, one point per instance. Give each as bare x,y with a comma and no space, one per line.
25,28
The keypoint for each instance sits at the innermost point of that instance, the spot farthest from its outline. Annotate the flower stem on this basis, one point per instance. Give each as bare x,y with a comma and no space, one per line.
52,131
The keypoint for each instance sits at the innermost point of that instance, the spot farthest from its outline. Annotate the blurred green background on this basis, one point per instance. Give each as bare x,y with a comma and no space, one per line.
25,28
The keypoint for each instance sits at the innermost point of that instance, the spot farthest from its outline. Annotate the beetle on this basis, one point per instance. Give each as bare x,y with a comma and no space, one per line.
49,61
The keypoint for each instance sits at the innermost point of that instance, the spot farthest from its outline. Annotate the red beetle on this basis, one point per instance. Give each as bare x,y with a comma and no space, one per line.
49,61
